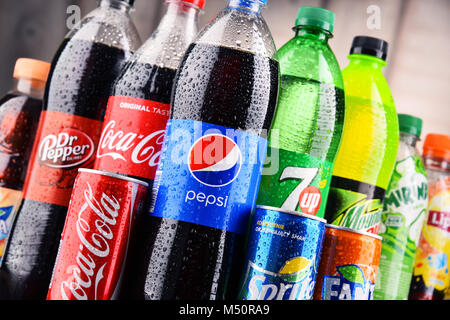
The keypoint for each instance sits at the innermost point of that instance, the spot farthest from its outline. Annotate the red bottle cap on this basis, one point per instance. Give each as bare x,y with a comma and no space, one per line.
198,3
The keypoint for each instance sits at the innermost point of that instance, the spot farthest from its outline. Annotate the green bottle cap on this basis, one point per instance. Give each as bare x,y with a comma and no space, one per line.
315,17
410,124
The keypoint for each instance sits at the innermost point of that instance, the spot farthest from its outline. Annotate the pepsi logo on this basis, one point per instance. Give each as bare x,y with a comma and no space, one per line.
215,160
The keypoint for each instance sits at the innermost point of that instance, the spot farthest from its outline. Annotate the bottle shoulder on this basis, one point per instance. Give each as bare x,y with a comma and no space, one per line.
240,31
109,27
310,59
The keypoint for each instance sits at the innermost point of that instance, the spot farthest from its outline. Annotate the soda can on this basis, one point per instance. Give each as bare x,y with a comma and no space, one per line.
283,255
349,264
96,234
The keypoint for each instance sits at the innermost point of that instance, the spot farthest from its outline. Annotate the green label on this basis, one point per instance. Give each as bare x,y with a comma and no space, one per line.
295,182
354,204
402,219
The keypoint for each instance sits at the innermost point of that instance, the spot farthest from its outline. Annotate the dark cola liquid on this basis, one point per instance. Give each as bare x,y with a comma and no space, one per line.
145,81
80,81
181,260
19,117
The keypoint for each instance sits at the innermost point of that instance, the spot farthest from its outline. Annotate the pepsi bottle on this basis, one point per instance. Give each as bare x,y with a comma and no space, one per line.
223,101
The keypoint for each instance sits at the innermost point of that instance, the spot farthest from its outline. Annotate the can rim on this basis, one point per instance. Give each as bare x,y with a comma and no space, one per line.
295,213
354,231
114,175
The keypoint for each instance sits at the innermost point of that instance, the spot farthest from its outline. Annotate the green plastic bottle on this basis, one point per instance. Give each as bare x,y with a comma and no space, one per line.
368,150
404,210
307,127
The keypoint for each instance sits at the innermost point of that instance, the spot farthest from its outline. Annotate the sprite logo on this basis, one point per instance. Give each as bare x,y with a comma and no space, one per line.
348,283
294,281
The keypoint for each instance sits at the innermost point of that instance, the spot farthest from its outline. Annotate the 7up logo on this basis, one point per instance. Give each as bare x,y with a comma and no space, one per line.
294,281
348,283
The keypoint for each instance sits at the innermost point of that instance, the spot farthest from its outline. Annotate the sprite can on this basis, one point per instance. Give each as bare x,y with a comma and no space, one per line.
283,254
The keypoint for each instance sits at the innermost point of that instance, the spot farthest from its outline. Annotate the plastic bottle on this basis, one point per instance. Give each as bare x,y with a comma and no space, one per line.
369,144
308,123
431,276
404,211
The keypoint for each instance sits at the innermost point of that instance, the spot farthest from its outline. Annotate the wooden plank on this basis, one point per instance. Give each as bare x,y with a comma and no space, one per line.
29,28
360,18
420,74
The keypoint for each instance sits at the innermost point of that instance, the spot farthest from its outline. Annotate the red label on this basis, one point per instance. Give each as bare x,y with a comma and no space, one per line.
309,200
439,220
132,136
65,143
95,239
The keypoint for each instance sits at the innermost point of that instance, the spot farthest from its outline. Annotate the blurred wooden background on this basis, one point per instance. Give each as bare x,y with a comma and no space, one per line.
417,31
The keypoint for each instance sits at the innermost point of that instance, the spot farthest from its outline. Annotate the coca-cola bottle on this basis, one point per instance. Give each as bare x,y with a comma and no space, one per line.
20,109
138,110
83,70
139,105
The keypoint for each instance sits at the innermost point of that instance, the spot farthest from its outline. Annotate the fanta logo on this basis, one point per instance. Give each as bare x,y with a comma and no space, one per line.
66,149
349,284
294,281
309,200
215,160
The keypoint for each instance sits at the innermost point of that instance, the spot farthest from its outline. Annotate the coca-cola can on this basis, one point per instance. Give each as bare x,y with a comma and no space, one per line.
96,235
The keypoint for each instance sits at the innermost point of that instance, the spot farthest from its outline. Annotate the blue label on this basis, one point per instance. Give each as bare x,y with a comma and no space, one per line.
208,175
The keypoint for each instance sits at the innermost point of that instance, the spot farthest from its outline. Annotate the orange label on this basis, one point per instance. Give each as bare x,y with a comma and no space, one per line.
65,143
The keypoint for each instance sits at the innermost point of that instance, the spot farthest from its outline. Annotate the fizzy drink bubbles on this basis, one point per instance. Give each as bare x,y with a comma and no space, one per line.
223,103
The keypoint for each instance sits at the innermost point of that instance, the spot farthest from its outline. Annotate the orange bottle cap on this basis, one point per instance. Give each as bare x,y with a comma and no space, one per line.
31,69
437,145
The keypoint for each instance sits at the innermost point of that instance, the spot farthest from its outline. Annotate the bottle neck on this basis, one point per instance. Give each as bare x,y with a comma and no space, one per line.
313,33
363,60
116,4
180,12
409,139
251,6
29,87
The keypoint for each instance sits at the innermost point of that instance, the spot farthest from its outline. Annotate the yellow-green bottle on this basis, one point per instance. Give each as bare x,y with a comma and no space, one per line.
369,144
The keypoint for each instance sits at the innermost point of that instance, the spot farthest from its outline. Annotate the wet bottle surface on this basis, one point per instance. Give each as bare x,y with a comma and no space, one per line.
225,87
306,131
20,110
83,70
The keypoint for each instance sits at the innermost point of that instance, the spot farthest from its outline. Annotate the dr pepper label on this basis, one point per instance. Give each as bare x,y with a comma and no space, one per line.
65,143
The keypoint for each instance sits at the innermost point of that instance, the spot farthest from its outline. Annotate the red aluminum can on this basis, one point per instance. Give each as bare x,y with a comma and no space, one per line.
348,265
96,234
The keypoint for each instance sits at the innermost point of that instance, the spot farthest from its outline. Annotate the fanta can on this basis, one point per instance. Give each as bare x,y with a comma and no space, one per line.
348,266
283,255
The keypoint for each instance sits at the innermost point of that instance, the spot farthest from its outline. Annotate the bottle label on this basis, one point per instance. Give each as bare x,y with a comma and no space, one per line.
132,136
208,175
431,267
66,143
10,201
402,220
355,205
295,182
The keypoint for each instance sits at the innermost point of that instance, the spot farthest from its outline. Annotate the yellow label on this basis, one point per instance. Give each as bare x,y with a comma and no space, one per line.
10,201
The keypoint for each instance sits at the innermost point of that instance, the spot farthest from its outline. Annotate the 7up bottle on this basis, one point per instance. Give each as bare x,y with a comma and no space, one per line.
307,127
403,215
368,150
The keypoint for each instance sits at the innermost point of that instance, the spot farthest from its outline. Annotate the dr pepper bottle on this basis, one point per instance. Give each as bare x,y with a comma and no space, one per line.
348,266
82,73
94,243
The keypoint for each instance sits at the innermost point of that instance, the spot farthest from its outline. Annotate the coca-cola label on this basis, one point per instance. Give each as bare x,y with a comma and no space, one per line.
95,238
132,136
64,143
